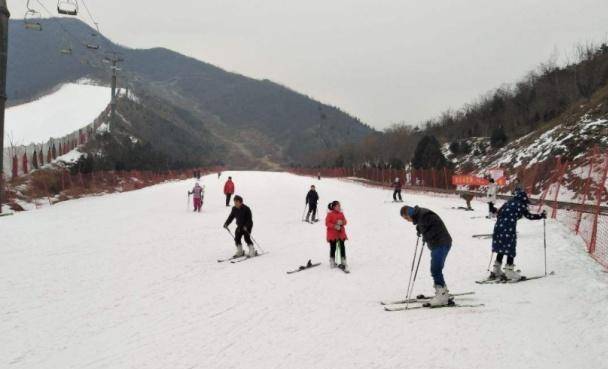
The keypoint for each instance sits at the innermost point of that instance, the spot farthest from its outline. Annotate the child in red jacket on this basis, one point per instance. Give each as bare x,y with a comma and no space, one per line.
336,234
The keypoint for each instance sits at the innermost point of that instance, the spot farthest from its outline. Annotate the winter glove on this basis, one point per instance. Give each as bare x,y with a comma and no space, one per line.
226,225
340,222
337,227
543,215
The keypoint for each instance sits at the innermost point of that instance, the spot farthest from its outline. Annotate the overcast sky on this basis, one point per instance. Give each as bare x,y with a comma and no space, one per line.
384,61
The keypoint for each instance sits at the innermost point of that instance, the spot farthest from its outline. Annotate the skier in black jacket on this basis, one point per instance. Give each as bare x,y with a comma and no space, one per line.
244,225
312,198
436,236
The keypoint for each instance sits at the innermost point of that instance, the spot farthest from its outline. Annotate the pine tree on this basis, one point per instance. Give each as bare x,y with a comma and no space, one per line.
428,154
498,138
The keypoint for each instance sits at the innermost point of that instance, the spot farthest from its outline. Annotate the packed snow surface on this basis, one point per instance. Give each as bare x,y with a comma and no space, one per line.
68,109
132,280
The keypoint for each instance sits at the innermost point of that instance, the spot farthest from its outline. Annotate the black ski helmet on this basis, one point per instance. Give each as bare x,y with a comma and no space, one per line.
332,204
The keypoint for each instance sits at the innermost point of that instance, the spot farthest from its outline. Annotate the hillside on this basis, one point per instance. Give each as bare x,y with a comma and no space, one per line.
569,136
260,123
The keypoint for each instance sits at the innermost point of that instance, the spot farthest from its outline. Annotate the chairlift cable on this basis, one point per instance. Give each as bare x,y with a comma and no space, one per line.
65,30
86,7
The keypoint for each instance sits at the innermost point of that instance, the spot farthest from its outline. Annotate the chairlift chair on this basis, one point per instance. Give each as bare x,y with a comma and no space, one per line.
32,19
92,44
67,7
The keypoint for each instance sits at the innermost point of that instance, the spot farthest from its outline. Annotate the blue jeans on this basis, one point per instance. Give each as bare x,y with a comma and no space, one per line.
438,256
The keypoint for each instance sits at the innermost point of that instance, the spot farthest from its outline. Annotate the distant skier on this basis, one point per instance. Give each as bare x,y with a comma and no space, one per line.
198,194
517,186
228,190
244,225
397,189
491,198
336,234
312,198
504,238
467,197
319,176
436,236
219,174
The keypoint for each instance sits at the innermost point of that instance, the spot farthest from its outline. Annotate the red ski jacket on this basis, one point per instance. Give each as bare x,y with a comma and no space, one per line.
229,187
331,221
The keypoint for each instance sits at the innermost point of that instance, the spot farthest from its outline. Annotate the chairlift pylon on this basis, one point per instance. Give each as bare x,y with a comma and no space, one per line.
67,7
32,19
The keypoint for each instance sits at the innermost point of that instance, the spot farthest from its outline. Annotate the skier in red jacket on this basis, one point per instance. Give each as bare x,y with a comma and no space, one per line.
336,234
228,190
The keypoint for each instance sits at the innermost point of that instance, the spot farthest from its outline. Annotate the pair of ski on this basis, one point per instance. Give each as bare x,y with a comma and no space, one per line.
301,268
506,281
422,301
483,236
311,221
462,208
238,259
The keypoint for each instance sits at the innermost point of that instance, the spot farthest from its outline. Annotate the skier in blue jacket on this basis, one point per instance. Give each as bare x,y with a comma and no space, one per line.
504,238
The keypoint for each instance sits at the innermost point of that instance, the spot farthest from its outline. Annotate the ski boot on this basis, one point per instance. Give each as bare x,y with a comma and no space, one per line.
332,263
252,252
496,273
441,298
511,274
344,265
239,251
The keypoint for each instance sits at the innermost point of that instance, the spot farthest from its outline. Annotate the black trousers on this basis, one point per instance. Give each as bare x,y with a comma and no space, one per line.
510,259
228,196
397,194
332,249
239,233
312,209
492,208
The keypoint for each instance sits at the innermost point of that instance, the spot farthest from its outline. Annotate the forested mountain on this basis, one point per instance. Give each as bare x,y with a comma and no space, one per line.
242,121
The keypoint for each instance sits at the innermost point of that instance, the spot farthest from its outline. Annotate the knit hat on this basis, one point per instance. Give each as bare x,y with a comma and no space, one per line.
407,210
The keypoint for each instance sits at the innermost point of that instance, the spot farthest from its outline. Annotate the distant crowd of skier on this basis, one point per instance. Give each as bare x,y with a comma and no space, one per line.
429,227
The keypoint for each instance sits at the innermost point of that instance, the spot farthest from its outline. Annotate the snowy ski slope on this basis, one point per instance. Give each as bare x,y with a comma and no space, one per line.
71,107
131,281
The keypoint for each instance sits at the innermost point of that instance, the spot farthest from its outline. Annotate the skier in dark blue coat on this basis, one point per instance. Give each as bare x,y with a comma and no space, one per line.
504,238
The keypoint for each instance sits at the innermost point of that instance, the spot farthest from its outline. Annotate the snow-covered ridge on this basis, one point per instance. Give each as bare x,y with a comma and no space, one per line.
72,106
569,140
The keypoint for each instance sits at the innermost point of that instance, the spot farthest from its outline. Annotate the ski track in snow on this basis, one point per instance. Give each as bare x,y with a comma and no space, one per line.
131,280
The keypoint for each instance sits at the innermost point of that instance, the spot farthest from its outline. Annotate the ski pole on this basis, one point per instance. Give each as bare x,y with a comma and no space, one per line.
305,206
256,242
545,242
491,257
409,283
415,274
230,233
188,203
